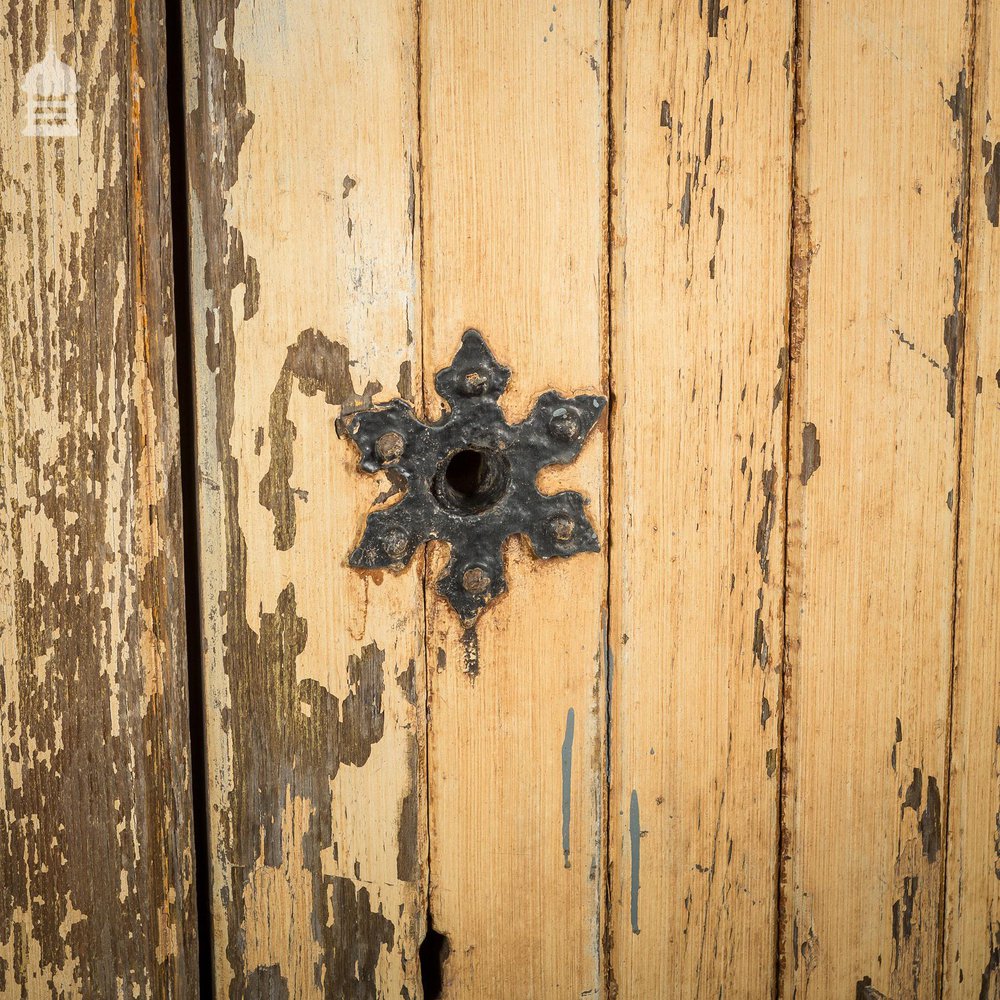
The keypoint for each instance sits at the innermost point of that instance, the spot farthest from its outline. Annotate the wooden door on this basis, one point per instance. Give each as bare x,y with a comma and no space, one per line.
750,748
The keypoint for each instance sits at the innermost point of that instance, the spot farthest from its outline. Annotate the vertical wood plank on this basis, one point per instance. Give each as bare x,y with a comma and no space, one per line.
702,134
96,857
877,332
972,928
302,148
515,174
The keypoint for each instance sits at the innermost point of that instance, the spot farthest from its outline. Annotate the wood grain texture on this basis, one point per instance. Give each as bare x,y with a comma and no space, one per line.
515,172
877,328
302,147
702,102
96,857
972,923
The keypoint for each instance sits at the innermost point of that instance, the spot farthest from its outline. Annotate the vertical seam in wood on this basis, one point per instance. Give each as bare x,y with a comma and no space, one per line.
965,252
796,235
423,566
607,978
186,405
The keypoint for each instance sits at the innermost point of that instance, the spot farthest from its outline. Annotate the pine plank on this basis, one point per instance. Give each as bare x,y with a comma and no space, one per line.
972,921
96,863
515,170
877,329
302,160
702,137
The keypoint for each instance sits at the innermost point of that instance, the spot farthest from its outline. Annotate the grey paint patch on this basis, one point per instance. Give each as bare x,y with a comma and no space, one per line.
470,649
992,970
405,384
715,13
567,777
865,991
634,834
267,983
914,793
767,515
407,682
685,208
958,101
991,188
407,859
810,453
902,913
318,364
779,388
954,334
930,821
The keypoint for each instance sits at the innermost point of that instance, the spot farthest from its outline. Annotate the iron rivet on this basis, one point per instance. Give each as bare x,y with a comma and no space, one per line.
564,425
396,544
389,447
475,580
562,528
473,384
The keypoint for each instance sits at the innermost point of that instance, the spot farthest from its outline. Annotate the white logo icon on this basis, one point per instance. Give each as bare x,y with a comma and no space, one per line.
51,88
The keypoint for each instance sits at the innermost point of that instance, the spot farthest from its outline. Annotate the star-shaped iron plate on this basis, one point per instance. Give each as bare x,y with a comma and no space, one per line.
470,478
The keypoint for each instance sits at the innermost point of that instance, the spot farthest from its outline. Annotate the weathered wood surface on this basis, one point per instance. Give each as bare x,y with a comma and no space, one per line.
96,863
876,349
972,917
700,219
302,159
515,173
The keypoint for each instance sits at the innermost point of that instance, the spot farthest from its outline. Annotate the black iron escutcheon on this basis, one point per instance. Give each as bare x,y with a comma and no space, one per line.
470,478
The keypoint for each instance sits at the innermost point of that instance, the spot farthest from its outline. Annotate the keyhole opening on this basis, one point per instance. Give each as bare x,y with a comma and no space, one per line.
466,472
472,480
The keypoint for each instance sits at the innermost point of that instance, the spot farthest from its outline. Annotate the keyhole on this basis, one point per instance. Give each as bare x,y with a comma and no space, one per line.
472,480
466,472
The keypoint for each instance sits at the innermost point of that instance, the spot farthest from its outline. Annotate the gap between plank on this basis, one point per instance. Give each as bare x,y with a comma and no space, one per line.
606,943
965,252
174,47
794,248
434,946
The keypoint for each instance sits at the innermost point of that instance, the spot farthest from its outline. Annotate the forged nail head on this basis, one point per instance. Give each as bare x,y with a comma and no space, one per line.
396,544
475,580
389,447
473,384
562,529
564,425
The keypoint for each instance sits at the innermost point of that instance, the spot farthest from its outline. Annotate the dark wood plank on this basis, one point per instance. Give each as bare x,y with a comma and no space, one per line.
96,862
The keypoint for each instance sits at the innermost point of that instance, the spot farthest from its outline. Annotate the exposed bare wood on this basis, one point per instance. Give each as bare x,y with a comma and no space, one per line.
702,127
514,147
972,920
877,331
96,857
302,149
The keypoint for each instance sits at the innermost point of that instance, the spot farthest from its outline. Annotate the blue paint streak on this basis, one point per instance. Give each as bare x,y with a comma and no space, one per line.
634,834
567,773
